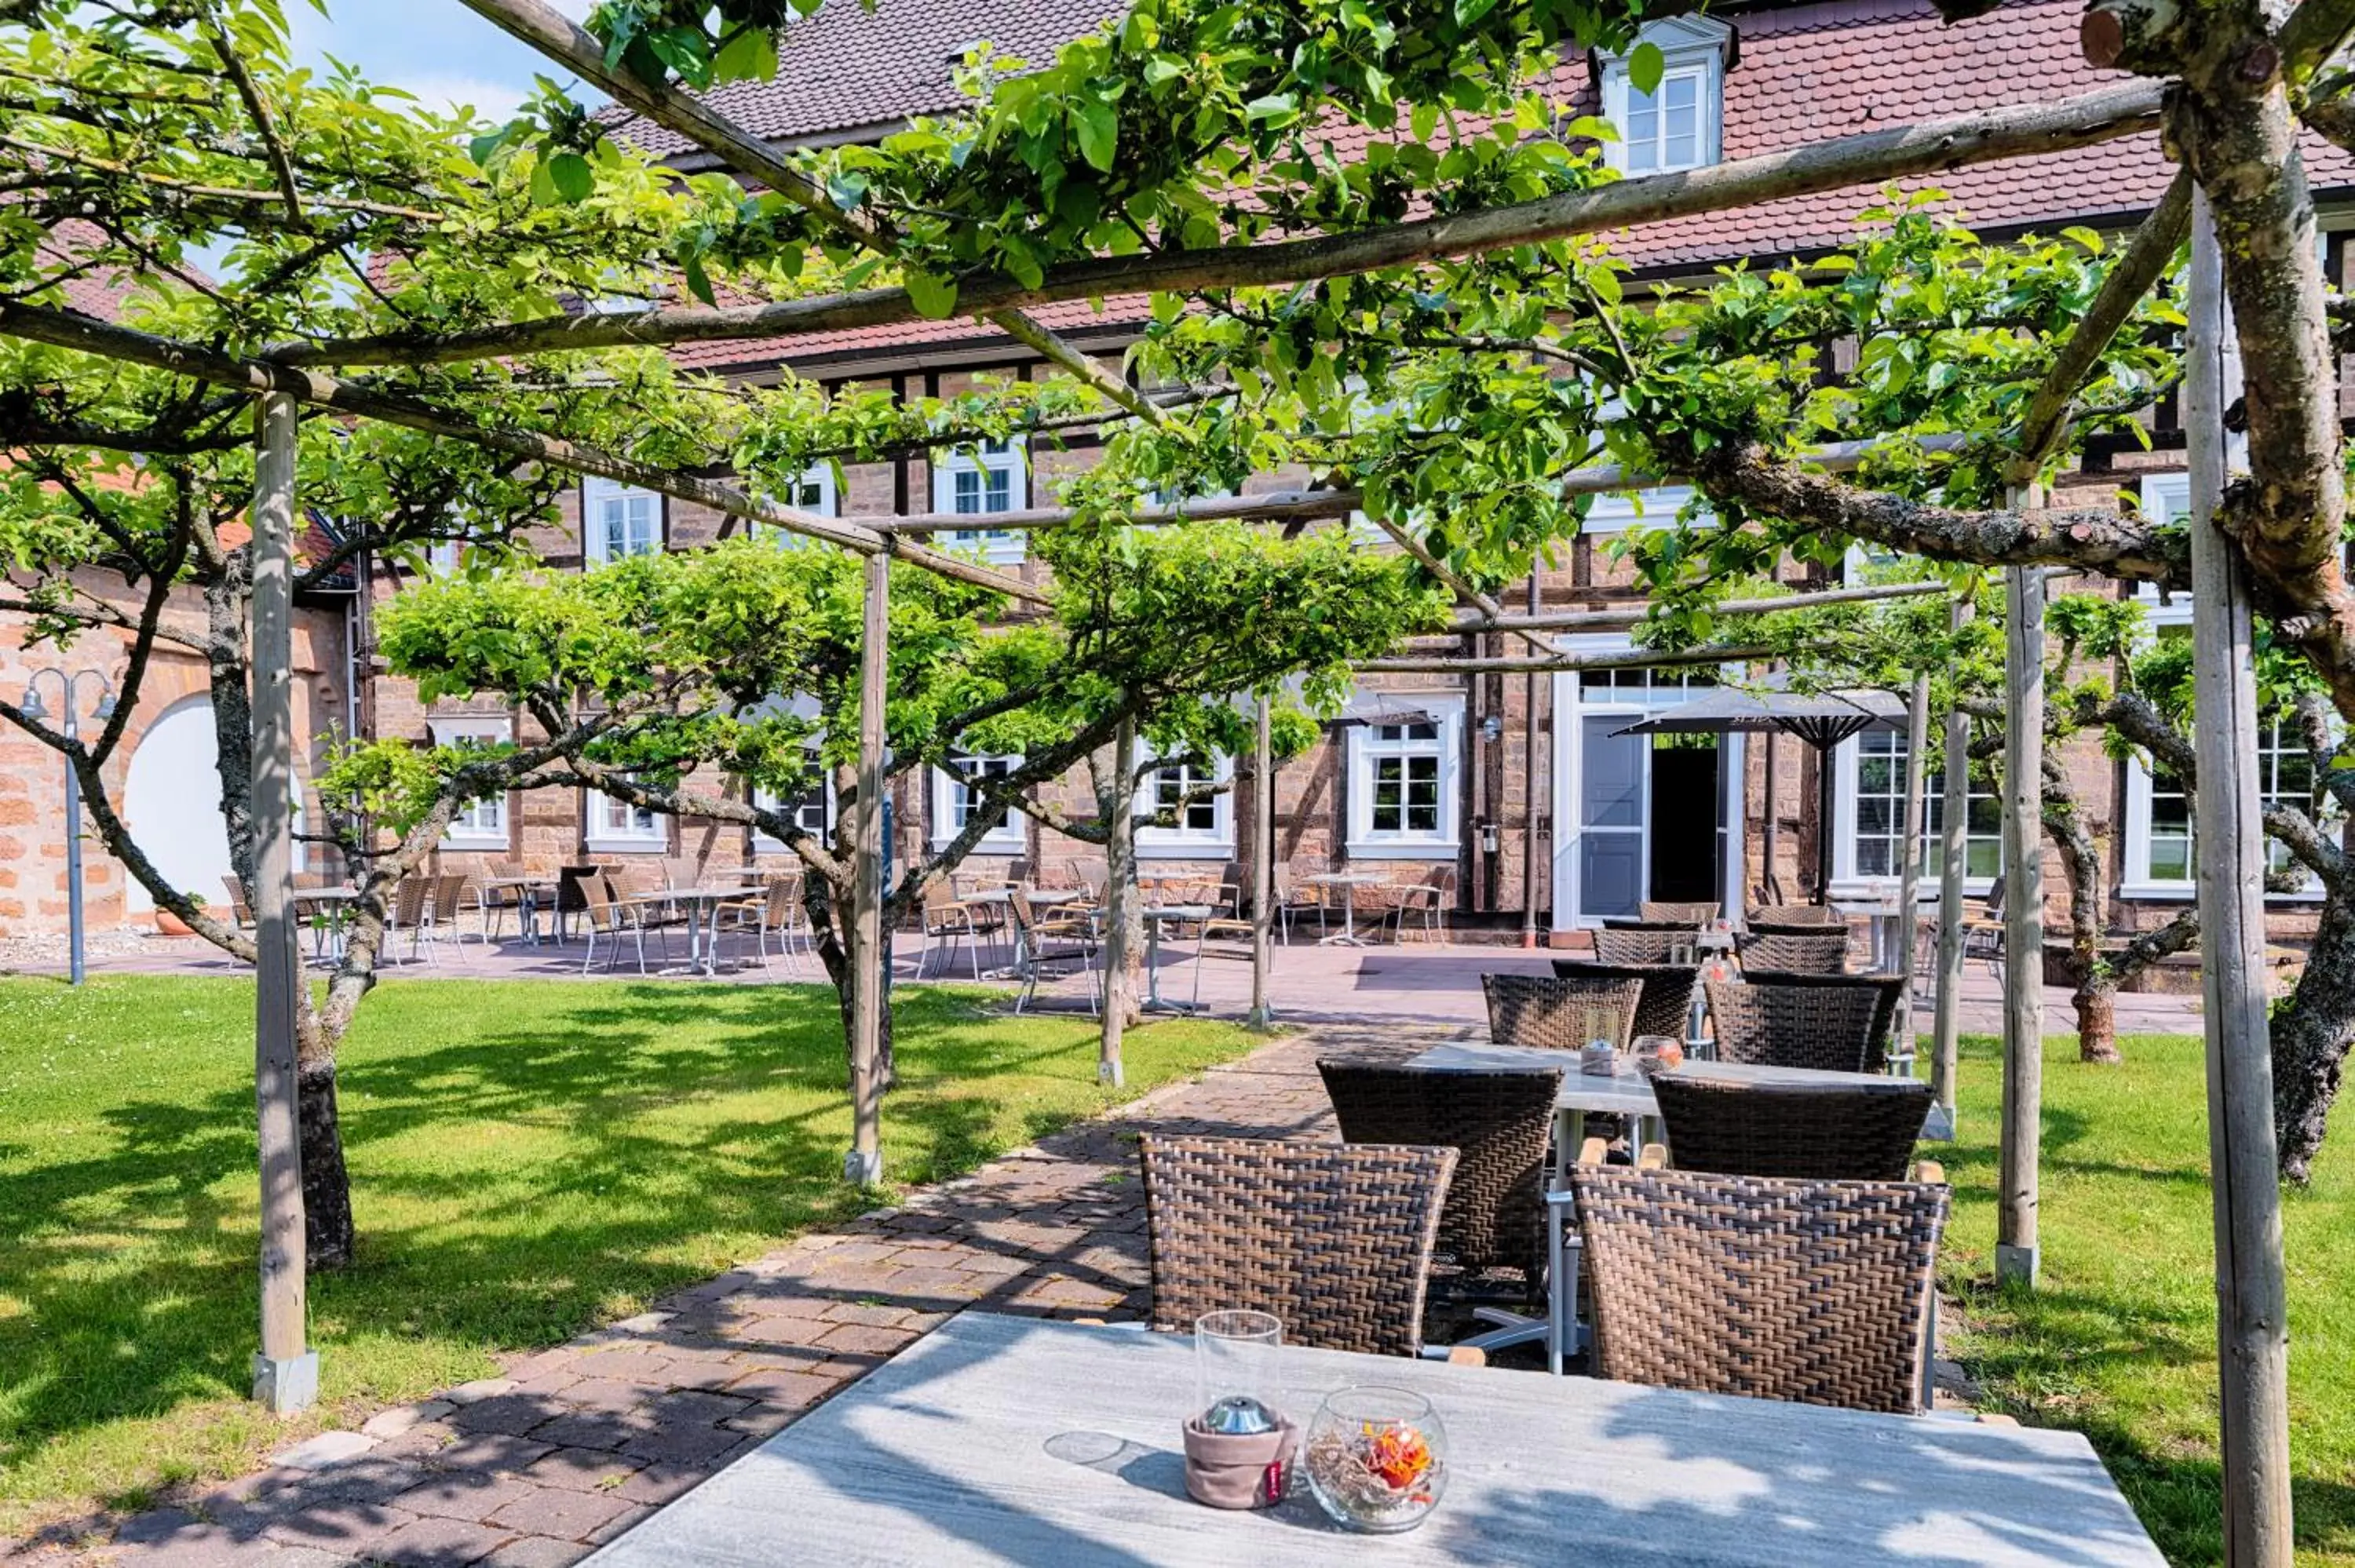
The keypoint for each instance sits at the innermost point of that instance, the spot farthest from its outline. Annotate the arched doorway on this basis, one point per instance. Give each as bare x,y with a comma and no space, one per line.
171,803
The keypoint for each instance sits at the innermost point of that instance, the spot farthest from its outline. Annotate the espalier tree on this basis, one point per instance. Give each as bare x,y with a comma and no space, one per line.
1425,324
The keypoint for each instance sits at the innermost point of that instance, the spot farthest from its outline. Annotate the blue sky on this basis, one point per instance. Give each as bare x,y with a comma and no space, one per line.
437,50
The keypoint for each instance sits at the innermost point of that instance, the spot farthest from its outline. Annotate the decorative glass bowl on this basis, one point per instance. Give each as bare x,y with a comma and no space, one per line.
1376,1460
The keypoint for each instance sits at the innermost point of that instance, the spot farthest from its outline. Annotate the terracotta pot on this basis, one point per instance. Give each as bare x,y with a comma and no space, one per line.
170,925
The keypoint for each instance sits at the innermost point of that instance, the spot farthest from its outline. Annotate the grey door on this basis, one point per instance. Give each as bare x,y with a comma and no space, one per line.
1612,783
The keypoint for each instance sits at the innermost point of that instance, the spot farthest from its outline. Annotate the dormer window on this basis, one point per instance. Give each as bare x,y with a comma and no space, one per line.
1676,124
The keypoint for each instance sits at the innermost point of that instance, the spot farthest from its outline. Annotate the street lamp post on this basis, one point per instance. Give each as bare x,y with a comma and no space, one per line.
69,695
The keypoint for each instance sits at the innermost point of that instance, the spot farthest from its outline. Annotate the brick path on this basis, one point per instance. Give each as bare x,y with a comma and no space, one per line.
576,1445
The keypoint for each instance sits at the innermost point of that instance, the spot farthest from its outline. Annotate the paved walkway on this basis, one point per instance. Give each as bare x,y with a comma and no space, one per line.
574,1446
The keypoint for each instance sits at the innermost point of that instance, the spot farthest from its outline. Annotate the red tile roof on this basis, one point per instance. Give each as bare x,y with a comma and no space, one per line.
99,293
1802,73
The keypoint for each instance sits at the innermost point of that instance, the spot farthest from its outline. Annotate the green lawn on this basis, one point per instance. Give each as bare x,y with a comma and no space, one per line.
2120,1343
526,1159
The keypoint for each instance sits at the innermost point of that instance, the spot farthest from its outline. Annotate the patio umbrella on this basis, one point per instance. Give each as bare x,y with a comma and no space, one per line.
1822,719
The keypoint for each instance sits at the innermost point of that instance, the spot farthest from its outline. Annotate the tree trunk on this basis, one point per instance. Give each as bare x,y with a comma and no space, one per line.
326,1187
2096,999
2311,1033
820,902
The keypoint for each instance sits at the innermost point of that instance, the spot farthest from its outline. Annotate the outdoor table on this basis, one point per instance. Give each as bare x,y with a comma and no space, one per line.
702,912
1003,898
1013,1440
1624,1091
1891,954
527,890
1348,882
332,908
1155,917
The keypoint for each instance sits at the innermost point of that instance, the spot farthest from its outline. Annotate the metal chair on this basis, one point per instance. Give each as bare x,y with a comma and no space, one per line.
407,915
1561,1015
241,912
1294,897
1665,1006
1498,1125
1041,941
1424,905
492,905
1817,1292
441,913
1335,1239
1838,1131
1800,952
777,909
1827,1028
1887,991
1699,913
948,923
614,920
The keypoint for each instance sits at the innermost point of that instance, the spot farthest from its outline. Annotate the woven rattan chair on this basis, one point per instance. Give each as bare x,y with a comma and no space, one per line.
1561,1015
1670,913
1817,1292
1827,1028
1647,945
1335,1239
1666,1007
1795,917
1800,952
1836,1131
1498,1123
1887,991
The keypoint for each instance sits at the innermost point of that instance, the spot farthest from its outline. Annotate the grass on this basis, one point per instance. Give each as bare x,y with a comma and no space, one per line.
526,1159
2120,1341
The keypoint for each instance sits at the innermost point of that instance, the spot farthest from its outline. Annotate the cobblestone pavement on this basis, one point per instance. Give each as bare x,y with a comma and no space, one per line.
576,1445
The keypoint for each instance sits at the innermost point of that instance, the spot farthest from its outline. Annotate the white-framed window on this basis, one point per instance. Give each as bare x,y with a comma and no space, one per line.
2160,836
1203,827
618,521
813,813
619,827
1678,124
1869,816
979,479
1402,783
2166,498
957,796
1654,508
483,823
441,557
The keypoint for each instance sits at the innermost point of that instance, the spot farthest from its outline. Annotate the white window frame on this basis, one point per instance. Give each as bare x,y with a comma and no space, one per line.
2139,883
615,827
471,829
1009,837
1367,745
1692,49
1182,842
1847,881
594,494
1619,511
770,800
1011,458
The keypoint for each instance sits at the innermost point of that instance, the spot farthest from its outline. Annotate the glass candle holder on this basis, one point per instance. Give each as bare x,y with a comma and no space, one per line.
1233,1350
1377,1460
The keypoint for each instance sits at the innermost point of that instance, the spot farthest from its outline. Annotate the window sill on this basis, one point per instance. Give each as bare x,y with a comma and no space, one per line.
1184,849
474,841
628,846
2188,892
1925,893
1401,849
993,845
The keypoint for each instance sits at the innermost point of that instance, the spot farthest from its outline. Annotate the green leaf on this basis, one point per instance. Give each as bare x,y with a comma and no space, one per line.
935,297
1646,65
1276,109
1097,123
698,282
572,177
750,56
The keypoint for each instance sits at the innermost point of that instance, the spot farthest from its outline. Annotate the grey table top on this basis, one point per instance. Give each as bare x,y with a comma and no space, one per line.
1040,897
1009,1440
1624,1093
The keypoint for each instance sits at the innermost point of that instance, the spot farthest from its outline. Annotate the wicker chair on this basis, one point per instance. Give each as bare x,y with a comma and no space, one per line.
1887,991
1669,913
1666,1007
1826,1133
1817,1292
1560,1014
1498,1123
1335,1239
1794,952
1827,1028
407,914
1795,917
241,912
1645,945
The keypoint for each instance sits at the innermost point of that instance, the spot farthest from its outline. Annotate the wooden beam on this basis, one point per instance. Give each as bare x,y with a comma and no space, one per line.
1636,659
2137,272
1619,619
64,329
2016,1252
285,1371
869,981
1954,852
1866,159
2252,1295
1262,866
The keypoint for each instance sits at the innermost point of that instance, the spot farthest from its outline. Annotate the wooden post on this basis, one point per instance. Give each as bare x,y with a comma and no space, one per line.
1263,864
2023,937
1771,882
1953,856
285,1370
1909,877
2251,1305
864,1163
1120,903
1529,785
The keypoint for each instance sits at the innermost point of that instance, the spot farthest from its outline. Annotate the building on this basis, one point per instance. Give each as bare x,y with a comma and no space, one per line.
1439,777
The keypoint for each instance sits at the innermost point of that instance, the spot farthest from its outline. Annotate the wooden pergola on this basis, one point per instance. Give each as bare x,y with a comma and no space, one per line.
2250,1277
